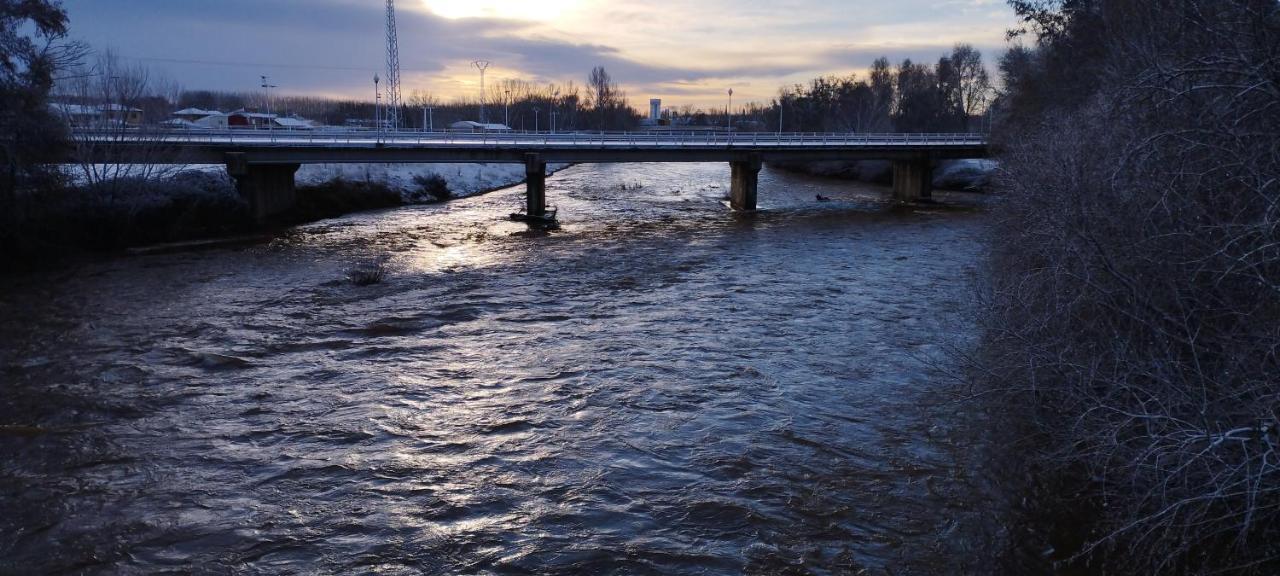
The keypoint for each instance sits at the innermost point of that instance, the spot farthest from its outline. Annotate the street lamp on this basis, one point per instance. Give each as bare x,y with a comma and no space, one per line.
536,110
555,103
377,103
782,102
506,101
268,86
728,112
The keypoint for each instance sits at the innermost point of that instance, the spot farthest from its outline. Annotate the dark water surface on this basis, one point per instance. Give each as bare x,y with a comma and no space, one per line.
661,387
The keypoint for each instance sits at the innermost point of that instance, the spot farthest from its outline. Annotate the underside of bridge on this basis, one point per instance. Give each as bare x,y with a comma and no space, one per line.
913,179
270,190
535,171
746,183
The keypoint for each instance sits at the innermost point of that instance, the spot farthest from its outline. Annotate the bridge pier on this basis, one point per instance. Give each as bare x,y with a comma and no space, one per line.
268,188
535,170
746,182
913,179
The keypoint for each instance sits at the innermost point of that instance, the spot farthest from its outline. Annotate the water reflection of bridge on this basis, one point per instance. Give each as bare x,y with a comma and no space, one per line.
263,163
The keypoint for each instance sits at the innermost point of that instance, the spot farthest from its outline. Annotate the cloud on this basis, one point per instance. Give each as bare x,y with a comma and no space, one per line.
333,47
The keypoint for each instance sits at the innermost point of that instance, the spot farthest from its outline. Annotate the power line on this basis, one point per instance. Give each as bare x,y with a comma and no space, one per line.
234,64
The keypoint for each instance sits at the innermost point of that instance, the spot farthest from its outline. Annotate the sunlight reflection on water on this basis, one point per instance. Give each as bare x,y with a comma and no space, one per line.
658,387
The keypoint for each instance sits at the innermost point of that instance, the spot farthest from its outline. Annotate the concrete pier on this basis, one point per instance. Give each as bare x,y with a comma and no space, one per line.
746,182
268,188
913,179
535,170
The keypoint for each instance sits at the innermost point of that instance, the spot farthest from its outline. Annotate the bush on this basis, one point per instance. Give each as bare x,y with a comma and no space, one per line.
1133,313
341,196
57,220
430,187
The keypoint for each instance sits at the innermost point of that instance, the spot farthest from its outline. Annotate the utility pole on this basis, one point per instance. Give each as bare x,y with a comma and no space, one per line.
393,69
482,65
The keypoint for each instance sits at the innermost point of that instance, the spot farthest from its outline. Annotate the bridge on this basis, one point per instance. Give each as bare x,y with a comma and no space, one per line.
263,163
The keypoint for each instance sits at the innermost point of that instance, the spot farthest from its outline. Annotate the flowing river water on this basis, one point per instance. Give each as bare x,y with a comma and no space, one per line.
661,387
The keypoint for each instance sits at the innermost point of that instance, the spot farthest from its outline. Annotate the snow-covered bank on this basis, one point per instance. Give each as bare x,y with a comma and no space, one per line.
147,206
463,179
973,175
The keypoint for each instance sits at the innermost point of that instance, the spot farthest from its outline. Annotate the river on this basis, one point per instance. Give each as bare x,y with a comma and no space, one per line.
660,387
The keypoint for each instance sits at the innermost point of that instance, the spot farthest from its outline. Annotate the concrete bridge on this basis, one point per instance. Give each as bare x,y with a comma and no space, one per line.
263,163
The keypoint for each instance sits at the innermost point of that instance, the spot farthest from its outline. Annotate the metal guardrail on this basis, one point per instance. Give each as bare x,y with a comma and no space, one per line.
649,140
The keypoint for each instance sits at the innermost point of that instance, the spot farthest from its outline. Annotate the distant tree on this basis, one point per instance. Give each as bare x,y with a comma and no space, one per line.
882,92
919,107
965,84
601,93
609,102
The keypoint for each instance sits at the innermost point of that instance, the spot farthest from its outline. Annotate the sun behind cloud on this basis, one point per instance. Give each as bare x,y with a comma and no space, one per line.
542,10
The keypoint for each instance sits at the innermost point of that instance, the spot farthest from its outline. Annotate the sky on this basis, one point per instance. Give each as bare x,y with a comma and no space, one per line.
687,52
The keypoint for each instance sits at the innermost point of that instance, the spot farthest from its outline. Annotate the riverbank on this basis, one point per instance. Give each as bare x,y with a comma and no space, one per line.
201,202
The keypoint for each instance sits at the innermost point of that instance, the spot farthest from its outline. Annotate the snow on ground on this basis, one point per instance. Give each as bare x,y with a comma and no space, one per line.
463,179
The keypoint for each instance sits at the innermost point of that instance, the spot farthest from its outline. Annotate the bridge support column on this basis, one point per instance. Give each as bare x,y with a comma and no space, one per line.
535,170
268,188
746,182
912,179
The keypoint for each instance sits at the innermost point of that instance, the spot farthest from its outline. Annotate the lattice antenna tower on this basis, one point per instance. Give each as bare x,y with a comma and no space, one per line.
394,99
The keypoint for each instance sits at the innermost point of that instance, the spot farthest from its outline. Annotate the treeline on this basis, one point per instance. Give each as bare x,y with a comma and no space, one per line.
948,96
1132,319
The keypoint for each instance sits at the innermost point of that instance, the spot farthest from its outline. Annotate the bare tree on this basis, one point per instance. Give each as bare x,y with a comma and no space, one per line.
1133,308
602,93
102,103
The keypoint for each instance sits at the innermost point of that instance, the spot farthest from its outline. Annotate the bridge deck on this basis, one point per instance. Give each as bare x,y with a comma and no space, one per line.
275,147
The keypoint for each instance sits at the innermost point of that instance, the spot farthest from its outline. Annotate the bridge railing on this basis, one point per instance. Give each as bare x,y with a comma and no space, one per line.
649,139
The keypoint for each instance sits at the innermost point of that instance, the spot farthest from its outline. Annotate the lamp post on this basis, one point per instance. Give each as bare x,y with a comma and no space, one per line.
555,103
536,110
506,101
268,86
782,102
728,112
377,103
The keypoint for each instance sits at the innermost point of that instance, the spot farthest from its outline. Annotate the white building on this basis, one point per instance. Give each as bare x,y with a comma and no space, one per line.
195,118
470,126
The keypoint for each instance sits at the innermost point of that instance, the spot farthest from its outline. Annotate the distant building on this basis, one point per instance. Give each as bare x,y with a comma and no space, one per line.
294,123
655,110
244,119
197,119
98,115
469,126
